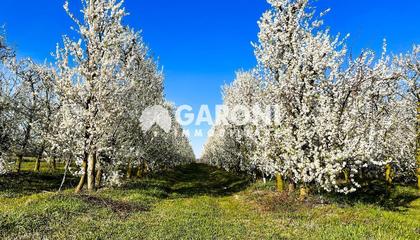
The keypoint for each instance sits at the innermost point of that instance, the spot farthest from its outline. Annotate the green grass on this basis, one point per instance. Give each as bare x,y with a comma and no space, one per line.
197,202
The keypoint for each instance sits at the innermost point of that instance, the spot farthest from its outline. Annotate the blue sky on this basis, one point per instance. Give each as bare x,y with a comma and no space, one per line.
202,43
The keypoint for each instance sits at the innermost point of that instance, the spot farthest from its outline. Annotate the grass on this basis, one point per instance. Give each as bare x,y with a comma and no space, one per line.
198,202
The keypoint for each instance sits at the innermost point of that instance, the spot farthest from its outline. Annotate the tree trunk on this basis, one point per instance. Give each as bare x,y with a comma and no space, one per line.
83,177
303,193
25,143
39,158
145,168
99,177
388,174
91,171
279,182
19,163
418,176
141,170
54,163
66,168
346,176
38,161
129,170
37,164
139,173
388,178
418,145
291,187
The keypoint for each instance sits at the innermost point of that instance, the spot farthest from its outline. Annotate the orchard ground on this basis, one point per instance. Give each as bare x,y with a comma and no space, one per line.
198,202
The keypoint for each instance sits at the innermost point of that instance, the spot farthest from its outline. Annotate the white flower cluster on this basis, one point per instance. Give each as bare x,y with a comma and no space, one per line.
5,164
342,121
3,168
6,93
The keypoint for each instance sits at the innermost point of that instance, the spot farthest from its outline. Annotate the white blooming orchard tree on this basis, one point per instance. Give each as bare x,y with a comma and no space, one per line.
218,150
230,147
363,125
26,94
227,145
6,95
168,149
105,80
338,123
87,109
26,107
93,81
24,83
243,93
301,61
46,108
409,68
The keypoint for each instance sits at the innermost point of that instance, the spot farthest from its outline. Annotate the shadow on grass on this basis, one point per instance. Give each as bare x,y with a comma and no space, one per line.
27,183
192,180
183,181
200,179
396,198
197,180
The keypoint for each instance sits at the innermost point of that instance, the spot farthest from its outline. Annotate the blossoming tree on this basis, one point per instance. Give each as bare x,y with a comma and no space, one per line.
339,122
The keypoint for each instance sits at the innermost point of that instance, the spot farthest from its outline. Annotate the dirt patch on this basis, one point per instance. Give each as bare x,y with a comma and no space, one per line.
275,201
123,209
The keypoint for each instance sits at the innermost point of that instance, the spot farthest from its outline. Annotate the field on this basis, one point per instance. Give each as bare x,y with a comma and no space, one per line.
197,202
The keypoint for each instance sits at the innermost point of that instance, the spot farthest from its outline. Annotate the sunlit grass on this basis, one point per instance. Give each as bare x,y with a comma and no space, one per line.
196,202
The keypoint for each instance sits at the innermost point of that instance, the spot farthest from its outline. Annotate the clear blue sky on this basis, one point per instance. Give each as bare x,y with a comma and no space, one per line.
202,43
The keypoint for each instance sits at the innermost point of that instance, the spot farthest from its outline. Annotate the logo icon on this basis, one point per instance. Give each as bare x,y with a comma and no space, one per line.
156,115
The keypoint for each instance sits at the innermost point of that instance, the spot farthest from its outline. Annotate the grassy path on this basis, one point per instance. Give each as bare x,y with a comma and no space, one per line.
196,202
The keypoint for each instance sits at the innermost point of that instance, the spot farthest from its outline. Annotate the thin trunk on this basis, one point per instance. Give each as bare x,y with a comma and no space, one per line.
83,177
91,172
346,176
388,174
418,175
139,173
141,170
66,168
19,163
291,187
129,170
99,177
145,168
303,193
54,163
23,150
279,182
28,130
388,178
38,161
37,164
418,145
